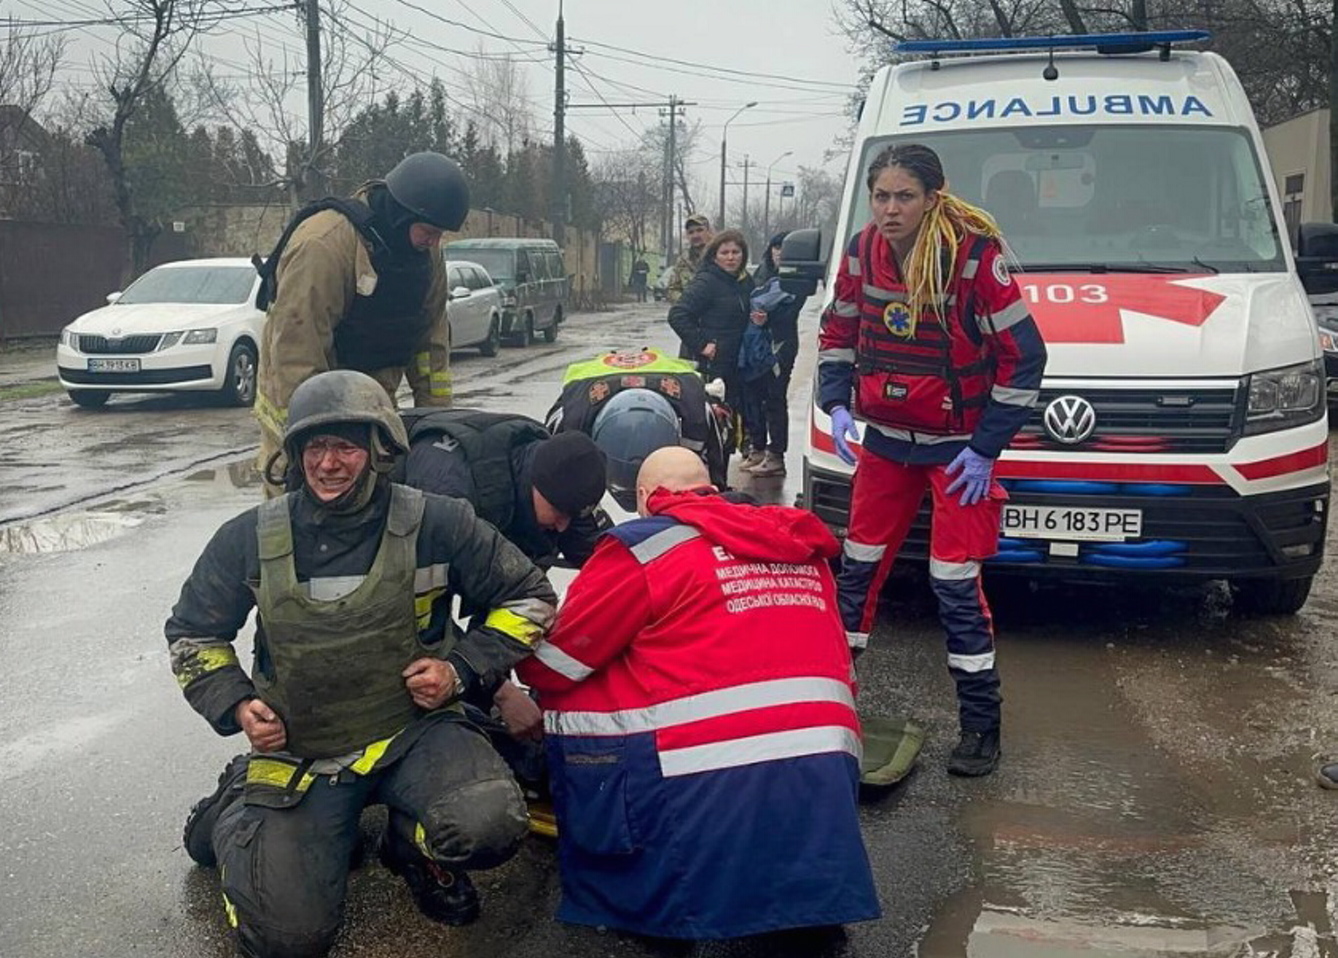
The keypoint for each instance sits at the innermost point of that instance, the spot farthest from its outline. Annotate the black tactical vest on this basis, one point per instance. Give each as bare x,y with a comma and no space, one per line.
486,440
380,330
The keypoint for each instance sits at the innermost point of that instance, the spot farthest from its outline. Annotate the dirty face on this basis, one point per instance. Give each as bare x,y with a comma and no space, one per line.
729,257
424,236
899,202
547,515
332,465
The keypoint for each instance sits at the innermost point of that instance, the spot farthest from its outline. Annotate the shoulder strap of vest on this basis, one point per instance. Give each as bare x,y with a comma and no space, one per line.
355,211
406,511
969,269
487,440
866,254
274,529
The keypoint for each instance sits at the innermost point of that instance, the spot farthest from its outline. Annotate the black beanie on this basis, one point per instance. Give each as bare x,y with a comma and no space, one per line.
568,470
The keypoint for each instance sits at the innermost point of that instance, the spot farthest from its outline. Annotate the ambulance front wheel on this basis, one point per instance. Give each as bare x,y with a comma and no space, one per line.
1272,596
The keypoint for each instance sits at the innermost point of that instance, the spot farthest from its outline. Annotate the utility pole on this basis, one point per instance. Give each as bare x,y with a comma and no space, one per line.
673,110
724,135
559,197
747,162
766,215
313,180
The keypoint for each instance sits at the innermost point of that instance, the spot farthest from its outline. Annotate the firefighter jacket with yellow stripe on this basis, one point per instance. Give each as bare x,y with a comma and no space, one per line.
327,279
333,557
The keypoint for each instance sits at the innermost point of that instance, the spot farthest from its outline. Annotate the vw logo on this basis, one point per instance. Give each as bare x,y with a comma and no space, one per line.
1070,420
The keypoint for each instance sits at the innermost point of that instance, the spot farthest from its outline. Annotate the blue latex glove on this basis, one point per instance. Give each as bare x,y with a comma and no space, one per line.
973,476
843,428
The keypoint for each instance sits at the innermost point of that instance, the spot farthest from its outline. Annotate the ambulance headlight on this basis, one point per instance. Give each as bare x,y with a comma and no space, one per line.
1283,398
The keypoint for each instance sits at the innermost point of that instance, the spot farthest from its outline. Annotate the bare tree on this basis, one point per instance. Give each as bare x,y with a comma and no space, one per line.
627,191
271,101
499,97
155,36
28,64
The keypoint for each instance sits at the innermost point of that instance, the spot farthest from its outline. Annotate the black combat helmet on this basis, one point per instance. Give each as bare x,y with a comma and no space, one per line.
343,397
432,188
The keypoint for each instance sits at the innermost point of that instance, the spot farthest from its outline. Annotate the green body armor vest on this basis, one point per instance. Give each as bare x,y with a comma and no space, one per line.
334,667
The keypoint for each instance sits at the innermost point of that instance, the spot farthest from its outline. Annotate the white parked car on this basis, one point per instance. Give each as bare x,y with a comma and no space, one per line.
475,307
185,326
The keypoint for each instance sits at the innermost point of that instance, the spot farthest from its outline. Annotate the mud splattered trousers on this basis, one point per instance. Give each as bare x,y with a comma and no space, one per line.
884,500
284,871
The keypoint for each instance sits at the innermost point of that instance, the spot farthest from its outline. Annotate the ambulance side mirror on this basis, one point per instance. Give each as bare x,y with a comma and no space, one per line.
802,265
1317,257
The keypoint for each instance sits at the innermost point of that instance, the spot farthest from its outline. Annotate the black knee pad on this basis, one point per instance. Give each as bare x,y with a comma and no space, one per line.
257,941
479,825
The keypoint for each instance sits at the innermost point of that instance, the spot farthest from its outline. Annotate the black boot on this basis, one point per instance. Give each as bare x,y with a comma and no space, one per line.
442,894
198,835
1327,775
976,754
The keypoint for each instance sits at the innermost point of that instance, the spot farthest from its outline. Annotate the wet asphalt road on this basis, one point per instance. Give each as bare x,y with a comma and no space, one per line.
1155,797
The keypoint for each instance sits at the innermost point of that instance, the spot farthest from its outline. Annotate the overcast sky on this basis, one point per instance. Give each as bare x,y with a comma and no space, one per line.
800,107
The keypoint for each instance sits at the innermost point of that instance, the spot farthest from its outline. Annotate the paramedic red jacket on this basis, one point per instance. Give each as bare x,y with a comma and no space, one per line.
986,308
699,711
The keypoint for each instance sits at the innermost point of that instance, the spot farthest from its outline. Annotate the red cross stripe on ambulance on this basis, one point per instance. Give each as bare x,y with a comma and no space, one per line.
1089,310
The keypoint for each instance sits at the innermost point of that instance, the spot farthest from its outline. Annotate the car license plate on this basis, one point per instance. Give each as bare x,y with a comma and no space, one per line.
113,365
1072,523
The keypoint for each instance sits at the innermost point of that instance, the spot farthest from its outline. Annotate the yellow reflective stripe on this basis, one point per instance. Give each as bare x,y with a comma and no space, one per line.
275,773
206,660
424,361
420,839
228,906
271,416
516,626
422,607
371,755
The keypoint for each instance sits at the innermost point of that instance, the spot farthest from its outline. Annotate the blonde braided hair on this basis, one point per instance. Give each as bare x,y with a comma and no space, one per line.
926,271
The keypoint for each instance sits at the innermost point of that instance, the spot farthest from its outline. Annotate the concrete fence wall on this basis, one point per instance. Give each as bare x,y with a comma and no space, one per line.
52,272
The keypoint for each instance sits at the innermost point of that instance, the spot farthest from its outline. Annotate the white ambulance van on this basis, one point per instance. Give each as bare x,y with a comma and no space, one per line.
1181,430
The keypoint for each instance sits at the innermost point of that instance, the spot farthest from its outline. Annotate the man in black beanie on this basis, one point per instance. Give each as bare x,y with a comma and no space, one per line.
542,492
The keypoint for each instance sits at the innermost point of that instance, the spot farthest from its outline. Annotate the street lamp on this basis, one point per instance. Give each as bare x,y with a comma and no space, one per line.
720,223
766,215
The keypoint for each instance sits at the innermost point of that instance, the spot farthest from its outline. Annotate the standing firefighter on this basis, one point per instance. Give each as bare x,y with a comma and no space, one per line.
355,694
930,337
358,283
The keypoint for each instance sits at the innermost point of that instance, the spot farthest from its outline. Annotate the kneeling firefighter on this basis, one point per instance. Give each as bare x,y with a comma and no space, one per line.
355,695
542,492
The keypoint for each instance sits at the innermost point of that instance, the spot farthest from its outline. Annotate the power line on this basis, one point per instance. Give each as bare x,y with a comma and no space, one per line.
716,69
491,32
216,17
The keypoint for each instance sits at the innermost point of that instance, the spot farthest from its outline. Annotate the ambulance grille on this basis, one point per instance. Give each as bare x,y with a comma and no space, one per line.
1145,420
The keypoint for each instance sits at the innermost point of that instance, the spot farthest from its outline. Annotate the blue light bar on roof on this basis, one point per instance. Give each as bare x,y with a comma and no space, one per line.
1098,41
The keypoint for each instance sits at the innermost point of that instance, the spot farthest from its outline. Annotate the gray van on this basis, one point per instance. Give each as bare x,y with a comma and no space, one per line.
532,280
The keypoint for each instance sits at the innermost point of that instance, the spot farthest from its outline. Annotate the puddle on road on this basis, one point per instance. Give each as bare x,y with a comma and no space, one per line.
242,474
1155,801
69,531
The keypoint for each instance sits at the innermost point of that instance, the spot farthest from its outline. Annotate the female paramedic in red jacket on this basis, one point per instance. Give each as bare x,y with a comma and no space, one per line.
929,336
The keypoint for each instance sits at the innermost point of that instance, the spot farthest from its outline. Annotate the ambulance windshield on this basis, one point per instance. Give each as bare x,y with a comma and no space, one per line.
1113,197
